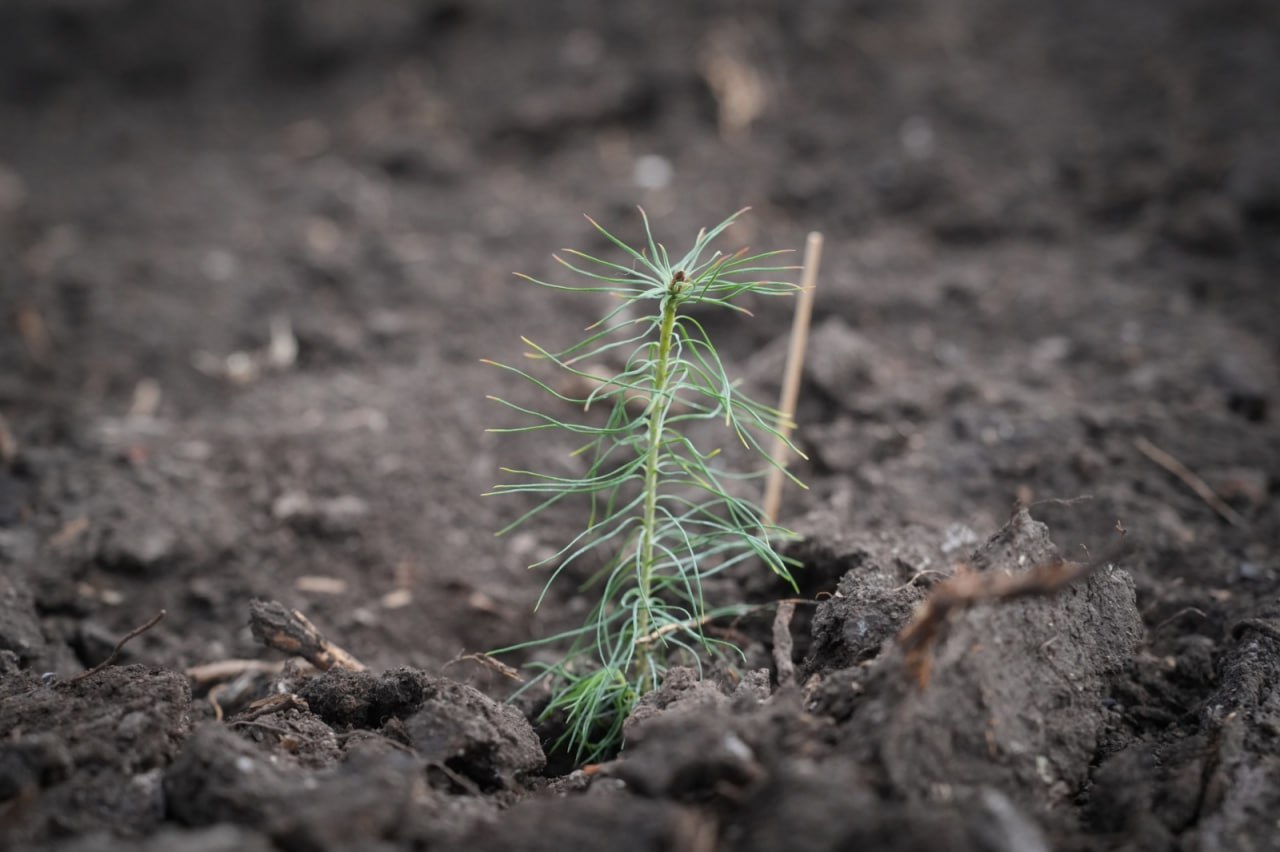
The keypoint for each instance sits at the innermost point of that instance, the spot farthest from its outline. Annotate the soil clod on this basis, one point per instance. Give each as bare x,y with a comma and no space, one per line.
251,255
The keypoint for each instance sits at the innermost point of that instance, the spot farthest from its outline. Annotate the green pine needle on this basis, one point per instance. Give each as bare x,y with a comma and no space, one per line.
661,516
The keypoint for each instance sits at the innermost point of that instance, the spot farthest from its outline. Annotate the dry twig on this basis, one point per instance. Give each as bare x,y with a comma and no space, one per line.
221,670
1189,479
214,694
276,626
272,704
1186,610
115,652
689,623
968,587
489,663
280,732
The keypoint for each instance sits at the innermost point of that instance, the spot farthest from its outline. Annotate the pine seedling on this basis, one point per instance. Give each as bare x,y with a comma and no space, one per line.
663,514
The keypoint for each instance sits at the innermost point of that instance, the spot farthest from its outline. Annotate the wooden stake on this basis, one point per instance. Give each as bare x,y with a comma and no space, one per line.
791,378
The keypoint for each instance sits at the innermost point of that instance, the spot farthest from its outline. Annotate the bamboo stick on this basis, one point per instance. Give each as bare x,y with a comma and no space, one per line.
794,369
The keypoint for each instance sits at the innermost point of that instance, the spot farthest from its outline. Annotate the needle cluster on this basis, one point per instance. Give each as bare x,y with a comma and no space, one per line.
663,515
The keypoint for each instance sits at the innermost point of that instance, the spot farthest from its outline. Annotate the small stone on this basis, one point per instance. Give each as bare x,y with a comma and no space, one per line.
291,504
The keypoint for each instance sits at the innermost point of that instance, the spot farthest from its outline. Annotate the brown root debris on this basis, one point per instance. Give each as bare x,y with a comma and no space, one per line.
968,587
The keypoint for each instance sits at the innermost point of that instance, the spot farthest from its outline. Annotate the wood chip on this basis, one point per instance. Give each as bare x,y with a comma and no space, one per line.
321,585
69,532
397,599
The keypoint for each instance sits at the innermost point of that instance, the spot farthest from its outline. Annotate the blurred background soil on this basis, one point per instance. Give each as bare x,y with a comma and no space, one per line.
251,255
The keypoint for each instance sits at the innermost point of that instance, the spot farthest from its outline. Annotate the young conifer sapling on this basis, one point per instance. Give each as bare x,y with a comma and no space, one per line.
663,514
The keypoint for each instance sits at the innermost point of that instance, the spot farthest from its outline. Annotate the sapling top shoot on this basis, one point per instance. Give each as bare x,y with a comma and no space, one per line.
662,514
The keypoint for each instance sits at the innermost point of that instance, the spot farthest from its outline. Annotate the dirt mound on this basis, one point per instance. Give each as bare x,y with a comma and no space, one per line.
89,755
252,255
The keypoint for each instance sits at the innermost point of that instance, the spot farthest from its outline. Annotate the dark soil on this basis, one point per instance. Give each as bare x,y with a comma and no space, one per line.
252,253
